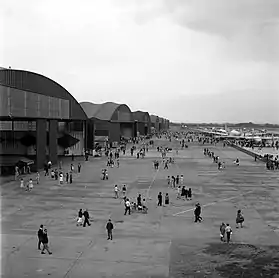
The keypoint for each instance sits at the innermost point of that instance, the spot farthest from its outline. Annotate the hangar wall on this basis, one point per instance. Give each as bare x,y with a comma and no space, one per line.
18,103
114,132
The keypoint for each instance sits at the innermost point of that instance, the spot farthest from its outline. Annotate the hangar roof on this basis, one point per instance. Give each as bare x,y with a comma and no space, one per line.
103,111
141,116
37,83
153,118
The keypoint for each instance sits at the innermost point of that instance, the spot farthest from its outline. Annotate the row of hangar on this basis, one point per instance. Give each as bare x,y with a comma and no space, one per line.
40,120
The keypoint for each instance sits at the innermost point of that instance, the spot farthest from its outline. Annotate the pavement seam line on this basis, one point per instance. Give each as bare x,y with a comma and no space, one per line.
77,258
213,203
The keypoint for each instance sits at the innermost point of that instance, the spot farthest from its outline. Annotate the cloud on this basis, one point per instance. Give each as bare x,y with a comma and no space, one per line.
259,106
250,28
152,55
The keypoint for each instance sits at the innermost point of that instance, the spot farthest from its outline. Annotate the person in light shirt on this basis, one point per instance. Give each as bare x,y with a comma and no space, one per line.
115,192
181,179
228,231
127,207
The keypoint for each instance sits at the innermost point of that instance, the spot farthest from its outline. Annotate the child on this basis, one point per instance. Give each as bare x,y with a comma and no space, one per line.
21,183
178,192
38,178
30,185
61,178
52,174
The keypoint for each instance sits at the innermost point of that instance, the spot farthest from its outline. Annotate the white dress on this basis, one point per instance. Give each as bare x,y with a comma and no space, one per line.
61,178
30,184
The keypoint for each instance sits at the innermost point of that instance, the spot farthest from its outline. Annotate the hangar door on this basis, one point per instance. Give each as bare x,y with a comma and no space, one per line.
126,130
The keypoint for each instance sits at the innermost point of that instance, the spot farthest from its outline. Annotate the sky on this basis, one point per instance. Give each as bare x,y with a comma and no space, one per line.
184,60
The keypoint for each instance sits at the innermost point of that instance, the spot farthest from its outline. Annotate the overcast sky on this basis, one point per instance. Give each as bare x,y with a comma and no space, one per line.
185,60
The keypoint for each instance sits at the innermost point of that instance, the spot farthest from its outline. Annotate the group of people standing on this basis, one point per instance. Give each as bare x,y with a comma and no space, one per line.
175,181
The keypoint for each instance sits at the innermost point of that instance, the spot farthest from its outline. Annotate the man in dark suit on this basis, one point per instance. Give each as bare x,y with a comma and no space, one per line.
109,228
86,218
40,236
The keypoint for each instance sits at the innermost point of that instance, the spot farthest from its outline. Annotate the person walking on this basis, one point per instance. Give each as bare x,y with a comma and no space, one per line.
181,179
222,231
21,183
190,193
160,199
45,243
228,231
38,177
197,213
168,180
30,185
72,167
79,167
239,219
177,179
40,236
61,178
139,200
124,189
71,177
109,228
167,199
79,219
127,207
86,218
116,192
178,196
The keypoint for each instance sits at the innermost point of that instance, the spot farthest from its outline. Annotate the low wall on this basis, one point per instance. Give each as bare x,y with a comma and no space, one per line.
253,154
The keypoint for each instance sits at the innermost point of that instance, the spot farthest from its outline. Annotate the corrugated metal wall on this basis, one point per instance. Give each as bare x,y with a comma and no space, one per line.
17,103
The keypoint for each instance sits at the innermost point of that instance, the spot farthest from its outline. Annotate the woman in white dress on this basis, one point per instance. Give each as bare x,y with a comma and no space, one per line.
61,178
30,185
21,183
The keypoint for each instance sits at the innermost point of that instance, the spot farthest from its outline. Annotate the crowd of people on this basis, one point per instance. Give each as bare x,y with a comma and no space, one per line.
139,203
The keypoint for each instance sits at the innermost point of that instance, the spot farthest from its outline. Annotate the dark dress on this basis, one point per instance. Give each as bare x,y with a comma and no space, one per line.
167,200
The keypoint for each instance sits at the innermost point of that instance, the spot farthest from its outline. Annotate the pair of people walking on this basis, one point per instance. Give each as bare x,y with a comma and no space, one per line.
43,239
86,216
225,229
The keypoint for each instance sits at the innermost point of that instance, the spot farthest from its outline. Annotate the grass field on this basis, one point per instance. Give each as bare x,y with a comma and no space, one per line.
163,243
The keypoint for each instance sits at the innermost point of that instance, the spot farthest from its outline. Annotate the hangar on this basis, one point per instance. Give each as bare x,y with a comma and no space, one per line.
142,123
112,120
39,120
161,124
155,122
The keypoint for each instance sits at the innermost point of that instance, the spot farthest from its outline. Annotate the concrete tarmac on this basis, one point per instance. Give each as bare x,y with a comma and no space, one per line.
143,245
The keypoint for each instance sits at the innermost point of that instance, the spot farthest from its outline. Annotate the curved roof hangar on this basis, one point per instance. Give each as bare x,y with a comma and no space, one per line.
108,111
36,84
